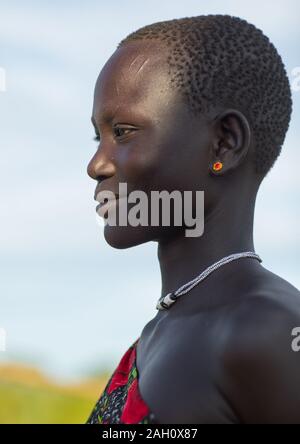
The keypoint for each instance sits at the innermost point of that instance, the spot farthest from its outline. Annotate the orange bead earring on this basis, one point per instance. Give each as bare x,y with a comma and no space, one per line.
217,166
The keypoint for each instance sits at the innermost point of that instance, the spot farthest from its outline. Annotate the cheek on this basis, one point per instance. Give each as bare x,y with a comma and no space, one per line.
138,162
165,162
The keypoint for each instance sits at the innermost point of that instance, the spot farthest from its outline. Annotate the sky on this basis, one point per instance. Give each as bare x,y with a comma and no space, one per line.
69,303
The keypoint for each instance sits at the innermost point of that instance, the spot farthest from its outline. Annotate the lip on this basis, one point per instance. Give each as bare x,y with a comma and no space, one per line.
99,189
103,207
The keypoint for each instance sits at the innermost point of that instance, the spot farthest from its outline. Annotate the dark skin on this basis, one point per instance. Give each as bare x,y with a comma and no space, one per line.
222,353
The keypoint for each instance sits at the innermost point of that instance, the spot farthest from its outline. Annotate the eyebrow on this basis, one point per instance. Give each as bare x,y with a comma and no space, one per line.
106,117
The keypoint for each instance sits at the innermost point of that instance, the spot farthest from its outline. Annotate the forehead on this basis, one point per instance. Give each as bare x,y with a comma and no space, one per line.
136,75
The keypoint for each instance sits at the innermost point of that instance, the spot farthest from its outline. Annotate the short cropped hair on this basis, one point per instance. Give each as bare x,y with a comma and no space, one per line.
219,60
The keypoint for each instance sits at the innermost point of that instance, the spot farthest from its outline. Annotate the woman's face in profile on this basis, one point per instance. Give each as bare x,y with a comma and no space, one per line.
148,139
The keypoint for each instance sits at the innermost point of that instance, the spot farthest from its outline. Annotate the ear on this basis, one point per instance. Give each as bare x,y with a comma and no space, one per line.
231,141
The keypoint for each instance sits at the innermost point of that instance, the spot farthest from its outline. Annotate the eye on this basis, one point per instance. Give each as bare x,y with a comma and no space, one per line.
119,132
122,131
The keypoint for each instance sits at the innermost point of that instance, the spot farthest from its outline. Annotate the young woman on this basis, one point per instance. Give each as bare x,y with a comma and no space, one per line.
200,103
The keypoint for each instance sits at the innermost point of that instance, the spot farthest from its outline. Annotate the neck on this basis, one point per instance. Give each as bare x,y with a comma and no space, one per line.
228,229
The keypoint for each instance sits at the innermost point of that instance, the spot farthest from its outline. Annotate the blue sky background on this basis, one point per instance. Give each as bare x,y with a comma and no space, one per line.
68,301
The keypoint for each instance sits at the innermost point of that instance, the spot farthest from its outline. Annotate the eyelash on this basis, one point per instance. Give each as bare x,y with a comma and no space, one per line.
97,137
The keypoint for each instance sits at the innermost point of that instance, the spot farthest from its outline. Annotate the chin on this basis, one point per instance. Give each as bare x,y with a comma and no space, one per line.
127,237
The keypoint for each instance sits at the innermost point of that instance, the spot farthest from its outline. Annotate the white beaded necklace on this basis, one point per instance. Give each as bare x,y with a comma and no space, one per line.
164,302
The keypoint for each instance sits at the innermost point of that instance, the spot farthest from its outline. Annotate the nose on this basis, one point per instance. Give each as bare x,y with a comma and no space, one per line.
100,165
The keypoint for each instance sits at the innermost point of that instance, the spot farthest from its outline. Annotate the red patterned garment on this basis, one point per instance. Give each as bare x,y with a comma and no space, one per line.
121,401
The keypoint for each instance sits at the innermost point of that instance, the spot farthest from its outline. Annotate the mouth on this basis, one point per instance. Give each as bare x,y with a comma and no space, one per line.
103,207
98,196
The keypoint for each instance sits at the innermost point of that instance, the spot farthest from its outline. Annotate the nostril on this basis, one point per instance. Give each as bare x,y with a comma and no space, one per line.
101,178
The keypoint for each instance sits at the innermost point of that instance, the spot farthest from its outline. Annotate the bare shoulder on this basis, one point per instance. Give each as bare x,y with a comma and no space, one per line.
273,304
261,368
